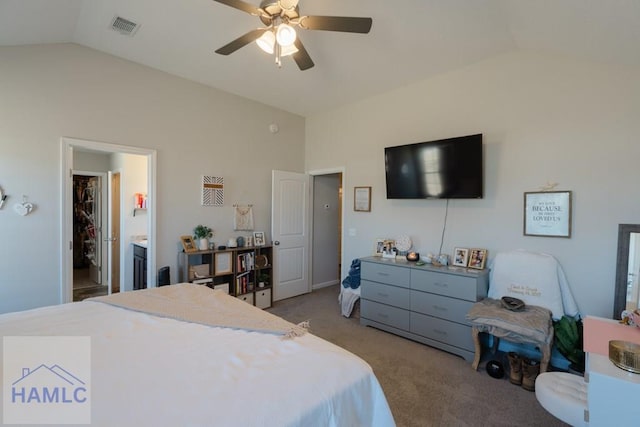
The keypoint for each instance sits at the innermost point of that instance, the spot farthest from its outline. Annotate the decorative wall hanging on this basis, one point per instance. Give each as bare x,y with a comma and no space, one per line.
362,199
243,217
547,213
212,190
24,208
3,197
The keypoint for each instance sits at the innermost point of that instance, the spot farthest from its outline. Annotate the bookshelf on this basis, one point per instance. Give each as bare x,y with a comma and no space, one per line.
244,272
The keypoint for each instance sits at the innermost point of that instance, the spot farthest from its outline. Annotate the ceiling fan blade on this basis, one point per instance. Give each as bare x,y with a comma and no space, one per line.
242,5
336,23
241,41
302,57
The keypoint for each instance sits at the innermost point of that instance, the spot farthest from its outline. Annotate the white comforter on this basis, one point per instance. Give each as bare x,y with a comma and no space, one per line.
149,370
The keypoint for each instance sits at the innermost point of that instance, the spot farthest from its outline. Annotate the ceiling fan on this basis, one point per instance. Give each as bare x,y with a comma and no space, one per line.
279,37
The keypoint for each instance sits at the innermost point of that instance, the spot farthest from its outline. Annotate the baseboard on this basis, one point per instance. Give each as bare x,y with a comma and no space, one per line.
324,284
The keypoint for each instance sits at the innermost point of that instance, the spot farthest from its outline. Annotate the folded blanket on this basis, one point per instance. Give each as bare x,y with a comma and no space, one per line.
532,324
199,304
347,300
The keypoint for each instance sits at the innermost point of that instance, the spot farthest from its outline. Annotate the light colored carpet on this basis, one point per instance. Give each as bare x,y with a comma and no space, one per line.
423,385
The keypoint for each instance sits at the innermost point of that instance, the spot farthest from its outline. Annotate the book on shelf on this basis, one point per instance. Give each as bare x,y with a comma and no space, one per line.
244,262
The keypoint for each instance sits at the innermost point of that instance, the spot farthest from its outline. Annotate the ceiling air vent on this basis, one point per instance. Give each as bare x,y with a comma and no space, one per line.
124,26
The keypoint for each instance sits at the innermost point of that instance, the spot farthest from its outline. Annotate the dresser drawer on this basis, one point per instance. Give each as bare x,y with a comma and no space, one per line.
386,314
450,285
441,330
397,276
440,306
386,294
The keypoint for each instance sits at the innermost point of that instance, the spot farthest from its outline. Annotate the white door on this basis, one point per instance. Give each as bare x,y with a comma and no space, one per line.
290,198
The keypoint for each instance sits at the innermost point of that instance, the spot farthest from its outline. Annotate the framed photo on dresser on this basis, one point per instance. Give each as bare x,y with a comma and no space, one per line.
477,258
461,257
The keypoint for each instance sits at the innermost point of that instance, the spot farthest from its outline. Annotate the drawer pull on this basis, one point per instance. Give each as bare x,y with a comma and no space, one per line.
384,316
441,285
439,332
437,307
383,274
380,294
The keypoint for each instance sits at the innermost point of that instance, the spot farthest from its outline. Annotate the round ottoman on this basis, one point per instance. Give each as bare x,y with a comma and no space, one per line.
563,395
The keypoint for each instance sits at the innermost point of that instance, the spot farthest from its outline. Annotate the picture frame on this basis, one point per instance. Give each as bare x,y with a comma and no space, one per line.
222,263
547,214
378,247
258,238
188,244
461,257
362,199
389,248
477,258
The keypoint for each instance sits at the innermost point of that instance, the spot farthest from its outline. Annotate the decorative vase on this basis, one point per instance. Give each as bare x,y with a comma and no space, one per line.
203,244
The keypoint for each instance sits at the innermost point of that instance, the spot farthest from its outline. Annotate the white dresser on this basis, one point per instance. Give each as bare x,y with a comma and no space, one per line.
424,303
613,394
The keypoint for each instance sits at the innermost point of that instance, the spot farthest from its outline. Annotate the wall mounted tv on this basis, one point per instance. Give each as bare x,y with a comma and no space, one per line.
444,169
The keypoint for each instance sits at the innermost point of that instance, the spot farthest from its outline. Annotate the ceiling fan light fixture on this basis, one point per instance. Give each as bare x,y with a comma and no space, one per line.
267,41
285,35
288,4
288,50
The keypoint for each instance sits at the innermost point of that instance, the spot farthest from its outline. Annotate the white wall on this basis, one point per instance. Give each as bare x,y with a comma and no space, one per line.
91,162
544,118
67,90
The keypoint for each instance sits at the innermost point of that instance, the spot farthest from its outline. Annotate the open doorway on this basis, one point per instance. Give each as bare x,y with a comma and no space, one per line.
326,229
123,159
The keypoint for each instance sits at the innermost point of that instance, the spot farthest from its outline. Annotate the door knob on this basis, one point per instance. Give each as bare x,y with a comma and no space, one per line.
277,242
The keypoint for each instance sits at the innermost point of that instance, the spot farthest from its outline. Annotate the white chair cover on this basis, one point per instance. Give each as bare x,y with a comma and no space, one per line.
535,278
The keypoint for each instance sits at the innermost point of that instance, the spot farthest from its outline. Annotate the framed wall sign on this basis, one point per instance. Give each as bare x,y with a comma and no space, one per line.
547,213
362,199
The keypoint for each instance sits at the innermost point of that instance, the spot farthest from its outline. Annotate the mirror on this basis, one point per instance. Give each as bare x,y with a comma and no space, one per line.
627,292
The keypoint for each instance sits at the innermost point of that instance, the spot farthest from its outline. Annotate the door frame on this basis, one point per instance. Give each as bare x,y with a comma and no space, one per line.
329,171
67,146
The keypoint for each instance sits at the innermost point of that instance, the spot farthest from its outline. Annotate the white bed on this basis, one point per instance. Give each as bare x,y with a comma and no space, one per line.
153,370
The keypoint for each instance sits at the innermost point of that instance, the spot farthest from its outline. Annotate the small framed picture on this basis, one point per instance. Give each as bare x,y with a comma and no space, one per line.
258,238
378,247
223,263
461,257
477,258
187,244
389,248
362,199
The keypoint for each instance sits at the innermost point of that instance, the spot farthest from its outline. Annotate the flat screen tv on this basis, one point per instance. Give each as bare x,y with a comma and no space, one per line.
444,169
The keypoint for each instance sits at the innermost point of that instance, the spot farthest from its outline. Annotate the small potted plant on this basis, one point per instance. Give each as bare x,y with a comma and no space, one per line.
263,280
202,233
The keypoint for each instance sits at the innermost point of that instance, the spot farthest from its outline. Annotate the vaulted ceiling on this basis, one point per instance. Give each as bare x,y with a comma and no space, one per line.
410,40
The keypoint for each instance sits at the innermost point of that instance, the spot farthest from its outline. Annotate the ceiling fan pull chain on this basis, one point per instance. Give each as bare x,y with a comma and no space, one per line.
278,50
